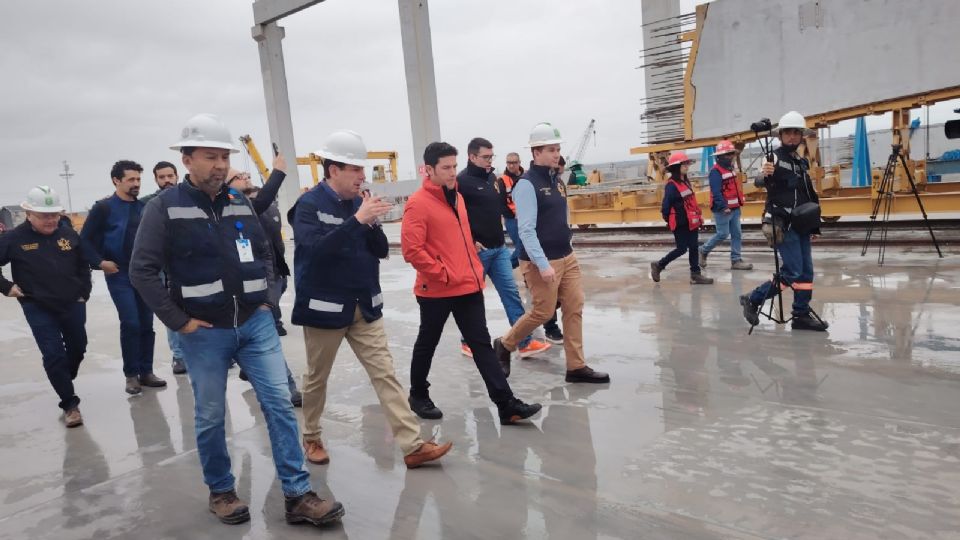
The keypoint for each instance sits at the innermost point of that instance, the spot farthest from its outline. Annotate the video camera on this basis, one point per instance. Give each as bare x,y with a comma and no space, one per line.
952,127
764,124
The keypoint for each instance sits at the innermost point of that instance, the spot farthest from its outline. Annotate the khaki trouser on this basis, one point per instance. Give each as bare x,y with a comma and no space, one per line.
369,343
567,288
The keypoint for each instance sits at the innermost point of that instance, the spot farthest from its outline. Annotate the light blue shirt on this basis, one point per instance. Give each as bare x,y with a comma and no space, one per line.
525,197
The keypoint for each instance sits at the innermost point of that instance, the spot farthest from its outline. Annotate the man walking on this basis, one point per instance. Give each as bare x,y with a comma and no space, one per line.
339,244
51,280
485,199
726,198
207,239
436,240
547,261
166,176
108,236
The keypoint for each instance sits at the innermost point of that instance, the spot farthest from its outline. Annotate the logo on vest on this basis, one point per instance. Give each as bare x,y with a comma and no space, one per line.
546,191
30,247
64,244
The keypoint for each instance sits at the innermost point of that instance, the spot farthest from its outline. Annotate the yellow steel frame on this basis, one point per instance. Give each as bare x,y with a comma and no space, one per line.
314,161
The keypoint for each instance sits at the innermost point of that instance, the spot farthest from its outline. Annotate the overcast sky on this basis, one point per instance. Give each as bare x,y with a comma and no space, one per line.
94,82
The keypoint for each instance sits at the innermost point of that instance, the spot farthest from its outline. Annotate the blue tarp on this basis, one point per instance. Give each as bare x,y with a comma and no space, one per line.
861,175
706,160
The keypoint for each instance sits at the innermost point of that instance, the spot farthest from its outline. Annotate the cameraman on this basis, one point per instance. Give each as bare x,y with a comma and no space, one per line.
792,211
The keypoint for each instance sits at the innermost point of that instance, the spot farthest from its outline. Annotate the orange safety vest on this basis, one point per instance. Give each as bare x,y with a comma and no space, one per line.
690,206
508,183
731,188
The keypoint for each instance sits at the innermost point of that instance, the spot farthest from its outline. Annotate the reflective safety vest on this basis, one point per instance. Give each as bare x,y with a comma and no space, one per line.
508,183
690,206
730,185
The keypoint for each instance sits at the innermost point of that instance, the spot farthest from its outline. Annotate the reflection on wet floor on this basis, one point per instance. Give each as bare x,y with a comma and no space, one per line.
705,432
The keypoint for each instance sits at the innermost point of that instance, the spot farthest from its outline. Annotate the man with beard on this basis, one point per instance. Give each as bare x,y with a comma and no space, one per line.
108,236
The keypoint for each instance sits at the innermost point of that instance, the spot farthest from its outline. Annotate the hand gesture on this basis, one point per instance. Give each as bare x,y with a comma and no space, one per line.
372,208
280,163
194,324
109,267
15,292
767,169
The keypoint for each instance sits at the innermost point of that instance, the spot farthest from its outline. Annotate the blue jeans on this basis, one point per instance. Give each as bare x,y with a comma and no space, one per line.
62,340
496,264
256,346
796,269
173,340
277,288
728,225
513,229
136,325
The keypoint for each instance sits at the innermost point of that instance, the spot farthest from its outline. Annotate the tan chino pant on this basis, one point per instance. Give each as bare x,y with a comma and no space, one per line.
369,343
566,287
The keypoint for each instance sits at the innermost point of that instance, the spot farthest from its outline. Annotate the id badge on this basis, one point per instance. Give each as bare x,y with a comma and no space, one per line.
245,250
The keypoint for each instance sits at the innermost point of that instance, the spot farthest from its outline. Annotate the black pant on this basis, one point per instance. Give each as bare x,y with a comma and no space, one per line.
62,339
687,242
470,315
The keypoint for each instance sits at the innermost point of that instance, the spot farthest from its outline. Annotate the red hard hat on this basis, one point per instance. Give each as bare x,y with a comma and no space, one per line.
724,147
677,158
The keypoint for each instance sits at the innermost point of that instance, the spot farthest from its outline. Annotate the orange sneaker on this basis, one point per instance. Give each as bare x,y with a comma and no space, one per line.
534,348
465,350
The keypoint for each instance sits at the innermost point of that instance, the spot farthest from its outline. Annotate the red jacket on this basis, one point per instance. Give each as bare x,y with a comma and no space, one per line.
437,242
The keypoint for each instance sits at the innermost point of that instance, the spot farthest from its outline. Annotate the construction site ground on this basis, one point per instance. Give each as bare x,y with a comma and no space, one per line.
704,432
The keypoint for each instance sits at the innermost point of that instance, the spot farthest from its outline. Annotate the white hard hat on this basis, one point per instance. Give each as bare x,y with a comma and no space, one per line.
543,134
42,199
792,120
205,131
344,146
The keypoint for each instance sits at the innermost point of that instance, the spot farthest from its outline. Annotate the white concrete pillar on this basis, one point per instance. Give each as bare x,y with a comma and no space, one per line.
421,83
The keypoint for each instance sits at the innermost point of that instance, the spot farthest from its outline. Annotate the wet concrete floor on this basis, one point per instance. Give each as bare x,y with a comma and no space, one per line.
704,432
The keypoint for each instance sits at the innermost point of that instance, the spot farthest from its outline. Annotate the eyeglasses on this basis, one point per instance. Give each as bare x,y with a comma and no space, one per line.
513,162
486,158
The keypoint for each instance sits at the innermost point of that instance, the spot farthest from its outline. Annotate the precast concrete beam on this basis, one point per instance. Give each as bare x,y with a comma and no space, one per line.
421,82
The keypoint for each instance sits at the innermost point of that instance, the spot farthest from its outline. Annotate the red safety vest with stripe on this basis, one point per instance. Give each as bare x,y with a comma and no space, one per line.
731,188
690,206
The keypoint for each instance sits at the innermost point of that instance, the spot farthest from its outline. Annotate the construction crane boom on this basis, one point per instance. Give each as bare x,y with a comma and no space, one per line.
591,131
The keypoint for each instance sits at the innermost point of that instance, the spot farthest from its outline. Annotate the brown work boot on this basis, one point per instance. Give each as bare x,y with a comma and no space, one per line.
72,417
312,509
133,385
315,452
655,271
152,381
700,279
740,265
229,508
428,451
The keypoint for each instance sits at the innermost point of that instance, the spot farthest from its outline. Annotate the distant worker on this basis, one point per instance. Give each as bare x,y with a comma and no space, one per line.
793,216
435,239
726,198
339,244
207,238
51,280
548,263
166,176
682,213
108,236
486,203
509,178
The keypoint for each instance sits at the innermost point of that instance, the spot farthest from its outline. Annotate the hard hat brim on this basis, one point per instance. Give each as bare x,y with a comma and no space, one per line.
205,144
41,209
342,159
734,151
547,142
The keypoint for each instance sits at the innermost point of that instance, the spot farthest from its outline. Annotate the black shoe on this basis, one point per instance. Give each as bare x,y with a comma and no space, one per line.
515,410
586,374
655,271
296,398
809,322
424,408
554,335
751,311
281,331
503,356
179,368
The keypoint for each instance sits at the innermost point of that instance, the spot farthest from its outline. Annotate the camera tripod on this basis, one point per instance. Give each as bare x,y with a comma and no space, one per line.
776,301
884,203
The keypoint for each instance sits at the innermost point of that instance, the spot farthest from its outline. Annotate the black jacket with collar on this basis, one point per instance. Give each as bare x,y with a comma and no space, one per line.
486,203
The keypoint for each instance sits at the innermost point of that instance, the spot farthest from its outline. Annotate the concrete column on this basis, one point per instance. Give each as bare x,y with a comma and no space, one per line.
269,37
421,83
650,11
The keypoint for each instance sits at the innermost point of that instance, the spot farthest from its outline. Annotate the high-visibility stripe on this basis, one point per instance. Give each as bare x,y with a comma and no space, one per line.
186,212
731,202
727,175
686,193
204,289
328,307
802,286
328,219
254,285
237,210
377,299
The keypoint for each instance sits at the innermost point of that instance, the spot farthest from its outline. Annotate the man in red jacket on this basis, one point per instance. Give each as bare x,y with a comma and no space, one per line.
436,240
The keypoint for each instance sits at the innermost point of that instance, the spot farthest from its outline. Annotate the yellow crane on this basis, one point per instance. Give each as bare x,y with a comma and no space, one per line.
315,162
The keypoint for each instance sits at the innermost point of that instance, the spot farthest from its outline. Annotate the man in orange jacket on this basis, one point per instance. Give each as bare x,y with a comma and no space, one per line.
436,240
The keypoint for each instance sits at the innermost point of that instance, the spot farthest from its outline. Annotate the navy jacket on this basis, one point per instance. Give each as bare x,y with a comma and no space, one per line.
50,270
109,231
336,261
